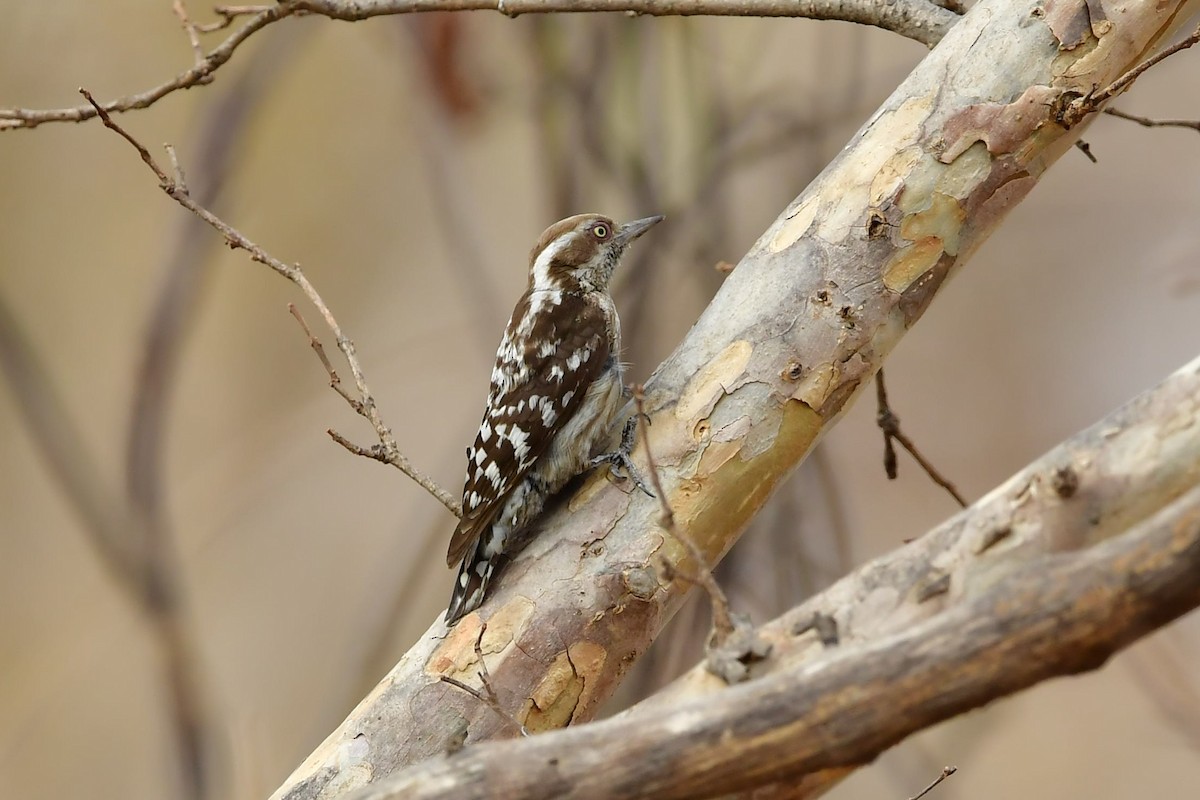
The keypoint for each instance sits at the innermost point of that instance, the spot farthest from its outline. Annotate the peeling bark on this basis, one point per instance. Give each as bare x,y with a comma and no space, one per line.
1093,487
798,328
1055,614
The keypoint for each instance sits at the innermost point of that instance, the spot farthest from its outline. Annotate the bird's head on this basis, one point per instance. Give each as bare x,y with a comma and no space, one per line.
580,253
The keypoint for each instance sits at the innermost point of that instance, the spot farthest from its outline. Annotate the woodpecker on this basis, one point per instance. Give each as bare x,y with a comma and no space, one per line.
556,387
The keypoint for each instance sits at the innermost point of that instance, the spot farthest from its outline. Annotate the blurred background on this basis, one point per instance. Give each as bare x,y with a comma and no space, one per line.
410,164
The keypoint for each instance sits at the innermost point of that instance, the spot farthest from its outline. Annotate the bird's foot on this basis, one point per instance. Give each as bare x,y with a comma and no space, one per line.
619,462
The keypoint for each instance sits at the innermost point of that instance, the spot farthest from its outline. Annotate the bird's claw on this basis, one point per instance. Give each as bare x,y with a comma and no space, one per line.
619,462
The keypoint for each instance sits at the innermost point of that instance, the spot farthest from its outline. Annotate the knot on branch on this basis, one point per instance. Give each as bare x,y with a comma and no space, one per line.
730,657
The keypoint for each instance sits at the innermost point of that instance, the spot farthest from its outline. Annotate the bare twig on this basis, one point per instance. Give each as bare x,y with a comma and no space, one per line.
335,381
488,696
946,773
1079,108
175,187
228,14
723,624
921,20
189,27
889,423
487,699
1147,122
179,295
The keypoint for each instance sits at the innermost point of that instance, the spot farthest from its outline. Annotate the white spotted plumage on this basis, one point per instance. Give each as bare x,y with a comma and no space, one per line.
555,388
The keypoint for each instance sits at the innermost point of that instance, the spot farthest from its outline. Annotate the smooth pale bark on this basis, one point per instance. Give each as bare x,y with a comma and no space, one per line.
795,333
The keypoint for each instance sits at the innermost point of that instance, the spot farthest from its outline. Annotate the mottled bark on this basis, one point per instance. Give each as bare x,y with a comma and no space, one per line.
797,330
1093,487
1053,614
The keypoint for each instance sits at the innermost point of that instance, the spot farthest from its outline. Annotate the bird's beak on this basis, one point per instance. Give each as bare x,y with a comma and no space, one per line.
632,230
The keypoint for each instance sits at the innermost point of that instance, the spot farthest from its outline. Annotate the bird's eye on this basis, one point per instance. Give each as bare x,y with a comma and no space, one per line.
600,231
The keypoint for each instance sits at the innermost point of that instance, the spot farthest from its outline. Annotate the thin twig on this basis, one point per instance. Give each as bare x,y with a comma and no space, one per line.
228,14
189,27
1147,122
388,451
889,423
920,20
1122,83
723,625
946,773
1074,113
335,381
486,700
488,696
179,297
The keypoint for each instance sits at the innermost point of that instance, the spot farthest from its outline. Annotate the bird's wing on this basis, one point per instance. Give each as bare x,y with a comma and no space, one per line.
555,346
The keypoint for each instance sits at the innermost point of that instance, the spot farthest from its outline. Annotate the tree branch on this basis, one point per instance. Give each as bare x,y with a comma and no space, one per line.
920,20
364,404
1087,103
1058,614
1089,489
1147,122
794,334
889,423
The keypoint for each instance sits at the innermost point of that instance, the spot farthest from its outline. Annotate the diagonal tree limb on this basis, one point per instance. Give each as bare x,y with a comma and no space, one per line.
1056,614
792,337
1124,469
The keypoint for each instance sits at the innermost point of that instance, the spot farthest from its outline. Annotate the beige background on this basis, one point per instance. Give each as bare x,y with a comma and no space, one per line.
297,555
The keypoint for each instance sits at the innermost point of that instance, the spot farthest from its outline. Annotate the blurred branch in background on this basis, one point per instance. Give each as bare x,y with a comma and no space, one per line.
180,295
438,120
143,563
133,534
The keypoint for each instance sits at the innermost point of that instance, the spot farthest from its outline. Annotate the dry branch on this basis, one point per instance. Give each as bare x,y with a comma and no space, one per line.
921,20
792,337
889,423
946,773
1147,122
1120,471
387,451
1057,614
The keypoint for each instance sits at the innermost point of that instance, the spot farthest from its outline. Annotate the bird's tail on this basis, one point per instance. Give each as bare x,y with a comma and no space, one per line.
474,574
